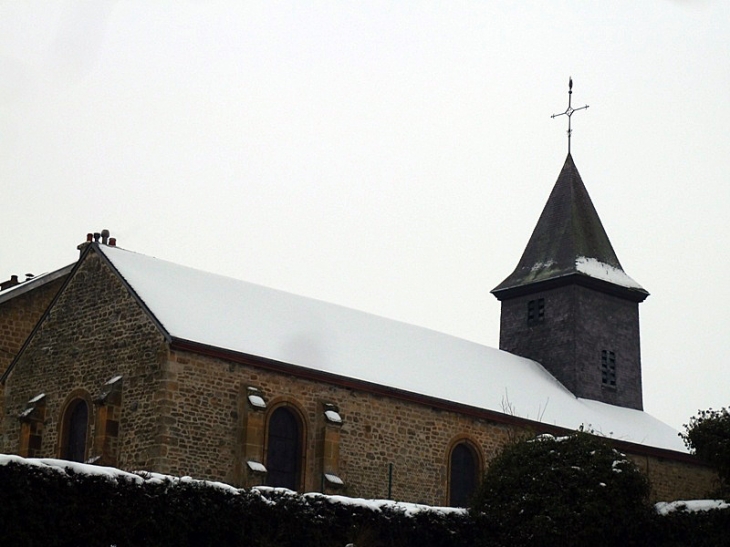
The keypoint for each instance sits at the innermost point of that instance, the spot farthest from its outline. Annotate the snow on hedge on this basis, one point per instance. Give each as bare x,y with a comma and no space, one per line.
691,506
139,477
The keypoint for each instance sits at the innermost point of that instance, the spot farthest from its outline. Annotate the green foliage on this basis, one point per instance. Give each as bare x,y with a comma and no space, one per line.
575,490
708,436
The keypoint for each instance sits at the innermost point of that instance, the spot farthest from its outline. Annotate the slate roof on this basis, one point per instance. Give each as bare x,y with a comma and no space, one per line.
569,240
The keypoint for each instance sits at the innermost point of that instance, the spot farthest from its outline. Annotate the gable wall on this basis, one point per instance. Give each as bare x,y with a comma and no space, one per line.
95,331
18,317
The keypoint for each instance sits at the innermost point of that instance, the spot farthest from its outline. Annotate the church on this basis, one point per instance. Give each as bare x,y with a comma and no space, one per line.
125,360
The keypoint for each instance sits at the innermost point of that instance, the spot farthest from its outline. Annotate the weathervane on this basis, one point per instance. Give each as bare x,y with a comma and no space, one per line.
569,111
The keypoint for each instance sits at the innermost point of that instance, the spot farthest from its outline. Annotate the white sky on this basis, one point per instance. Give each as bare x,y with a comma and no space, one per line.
388,156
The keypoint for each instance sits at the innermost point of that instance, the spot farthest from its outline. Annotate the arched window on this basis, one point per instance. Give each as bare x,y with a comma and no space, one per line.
463,475
283,452
75,424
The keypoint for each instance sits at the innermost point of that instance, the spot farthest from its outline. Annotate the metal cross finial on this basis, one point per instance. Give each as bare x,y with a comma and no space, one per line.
569,111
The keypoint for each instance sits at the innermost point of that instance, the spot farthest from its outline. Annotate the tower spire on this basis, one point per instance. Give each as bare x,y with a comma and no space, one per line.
570,306
569,111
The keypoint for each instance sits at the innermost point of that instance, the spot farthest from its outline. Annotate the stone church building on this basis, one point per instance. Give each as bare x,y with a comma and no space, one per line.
125,360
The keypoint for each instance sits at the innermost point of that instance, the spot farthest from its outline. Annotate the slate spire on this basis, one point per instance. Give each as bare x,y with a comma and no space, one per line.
568,235
570,306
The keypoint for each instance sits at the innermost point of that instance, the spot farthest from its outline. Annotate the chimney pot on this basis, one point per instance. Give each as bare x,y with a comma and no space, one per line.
89,238
97,235
9,283
112,241
104,236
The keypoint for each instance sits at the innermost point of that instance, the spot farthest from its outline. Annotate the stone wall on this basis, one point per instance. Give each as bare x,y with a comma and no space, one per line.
673,480
206,429
18,317
94,332
210,434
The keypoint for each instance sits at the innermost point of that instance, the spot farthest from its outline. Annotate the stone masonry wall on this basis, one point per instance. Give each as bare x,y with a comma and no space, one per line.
18,316
673,480
204,415
94,332
206,433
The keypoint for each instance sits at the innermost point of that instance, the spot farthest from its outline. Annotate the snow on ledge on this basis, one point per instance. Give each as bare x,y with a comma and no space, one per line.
334,479
256,467
256,401
333,416
598,270
36,398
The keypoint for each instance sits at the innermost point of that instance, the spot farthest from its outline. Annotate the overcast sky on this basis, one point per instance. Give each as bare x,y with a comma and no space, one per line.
388,156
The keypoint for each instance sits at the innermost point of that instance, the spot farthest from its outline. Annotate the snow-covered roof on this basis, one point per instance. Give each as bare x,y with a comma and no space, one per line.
251,319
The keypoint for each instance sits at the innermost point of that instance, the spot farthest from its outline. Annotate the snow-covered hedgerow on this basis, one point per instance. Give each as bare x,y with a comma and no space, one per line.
54,502
46,502
693,523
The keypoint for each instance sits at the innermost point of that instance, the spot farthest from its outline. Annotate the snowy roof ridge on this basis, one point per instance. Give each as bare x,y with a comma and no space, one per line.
230,314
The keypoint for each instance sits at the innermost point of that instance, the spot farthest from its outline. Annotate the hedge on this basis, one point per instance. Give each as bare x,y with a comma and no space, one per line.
56,505
53,506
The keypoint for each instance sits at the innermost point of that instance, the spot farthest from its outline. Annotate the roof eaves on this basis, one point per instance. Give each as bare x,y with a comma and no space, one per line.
34,283
307,373
506,290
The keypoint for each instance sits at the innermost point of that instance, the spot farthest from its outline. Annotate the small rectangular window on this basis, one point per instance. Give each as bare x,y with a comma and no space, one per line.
535,311
608,368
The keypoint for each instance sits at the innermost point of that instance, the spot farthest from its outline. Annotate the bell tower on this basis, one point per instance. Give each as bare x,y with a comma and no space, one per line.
570,306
